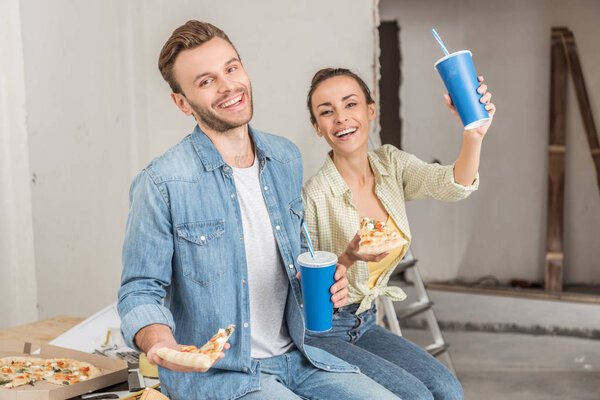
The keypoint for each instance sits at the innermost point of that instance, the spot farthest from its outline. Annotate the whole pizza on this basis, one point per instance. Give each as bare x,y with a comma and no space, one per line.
19,371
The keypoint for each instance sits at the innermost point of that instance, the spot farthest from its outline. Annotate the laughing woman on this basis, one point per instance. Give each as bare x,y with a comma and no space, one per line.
355,183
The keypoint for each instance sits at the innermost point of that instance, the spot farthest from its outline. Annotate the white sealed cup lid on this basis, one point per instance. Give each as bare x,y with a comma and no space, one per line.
450,56
322,259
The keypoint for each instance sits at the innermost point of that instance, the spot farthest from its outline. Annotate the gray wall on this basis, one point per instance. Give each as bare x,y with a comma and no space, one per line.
98,111
500,230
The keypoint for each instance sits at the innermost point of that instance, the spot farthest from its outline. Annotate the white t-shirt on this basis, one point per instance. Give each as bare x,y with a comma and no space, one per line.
267,280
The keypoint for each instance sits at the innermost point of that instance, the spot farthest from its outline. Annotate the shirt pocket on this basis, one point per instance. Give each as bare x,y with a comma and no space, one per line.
297,215
201,245
297,211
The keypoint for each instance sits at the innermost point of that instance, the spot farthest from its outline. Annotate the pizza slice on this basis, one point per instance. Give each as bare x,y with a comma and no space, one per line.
204,357
377,238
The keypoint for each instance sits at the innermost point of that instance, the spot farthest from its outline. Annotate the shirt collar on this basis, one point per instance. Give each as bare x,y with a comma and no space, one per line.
336,182
210,156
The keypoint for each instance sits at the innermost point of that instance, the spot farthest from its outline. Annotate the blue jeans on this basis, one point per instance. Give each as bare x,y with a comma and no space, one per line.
391,360
291,377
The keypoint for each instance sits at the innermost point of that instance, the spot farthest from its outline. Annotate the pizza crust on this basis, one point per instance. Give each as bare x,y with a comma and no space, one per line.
202,358
388,245
193,360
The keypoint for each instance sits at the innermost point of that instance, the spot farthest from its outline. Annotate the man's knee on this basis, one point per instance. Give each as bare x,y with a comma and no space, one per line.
364,387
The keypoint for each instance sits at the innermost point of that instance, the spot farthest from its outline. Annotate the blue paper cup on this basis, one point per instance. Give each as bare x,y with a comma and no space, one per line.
458,73
317,278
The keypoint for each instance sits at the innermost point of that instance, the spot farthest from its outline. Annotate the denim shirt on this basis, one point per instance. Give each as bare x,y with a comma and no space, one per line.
184,262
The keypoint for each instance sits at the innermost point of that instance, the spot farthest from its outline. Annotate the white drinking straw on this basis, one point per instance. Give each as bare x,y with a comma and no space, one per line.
439,41
312,251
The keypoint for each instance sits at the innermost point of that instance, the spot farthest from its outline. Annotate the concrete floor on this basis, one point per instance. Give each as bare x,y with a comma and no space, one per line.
521,366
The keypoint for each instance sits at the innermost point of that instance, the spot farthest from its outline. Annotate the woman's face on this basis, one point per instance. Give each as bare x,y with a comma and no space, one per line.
342,113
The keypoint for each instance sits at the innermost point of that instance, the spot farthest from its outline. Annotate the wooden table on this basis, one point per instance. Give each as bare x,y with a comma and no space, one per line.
42,331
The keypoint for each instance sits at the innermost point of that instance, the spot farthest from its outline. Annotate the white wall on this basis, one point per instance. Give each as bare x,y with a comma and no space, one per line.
98,111
17,262
500,230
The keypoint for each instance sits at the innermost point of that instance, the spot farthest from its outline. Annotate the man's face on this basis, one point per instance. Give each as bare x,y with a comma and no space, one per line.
215,86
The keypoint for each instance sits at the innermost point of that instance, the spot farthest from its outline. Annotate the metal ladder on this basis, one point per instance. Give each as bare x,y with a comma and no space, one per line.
388,318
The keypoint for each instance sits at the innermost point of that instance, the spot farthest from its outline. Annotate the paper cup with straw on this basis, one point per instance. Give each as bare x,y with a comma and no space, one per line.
317,270
459,77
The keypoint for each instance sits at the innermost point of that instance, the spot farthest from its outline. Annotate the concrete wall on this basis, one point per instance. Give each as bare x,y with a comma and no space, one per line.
17,261
500,230
98,111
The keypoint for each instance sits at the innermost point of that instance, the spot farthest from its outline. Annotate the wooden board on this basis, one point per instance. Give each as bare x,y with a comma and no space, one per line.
556,164
585,108
42,331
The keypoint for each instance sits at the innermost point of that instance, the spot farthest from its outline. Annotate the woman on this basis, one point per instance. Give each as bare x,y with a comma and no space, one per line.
355,183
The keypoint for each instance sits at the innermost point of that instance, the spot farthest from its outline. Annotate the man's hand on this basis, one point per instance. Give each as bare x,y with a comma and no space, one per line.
153,337
340,287
157,360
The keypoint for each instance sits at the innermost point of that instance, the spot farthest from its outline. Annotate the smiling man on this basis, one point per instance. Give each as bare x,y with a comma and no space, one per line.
212,237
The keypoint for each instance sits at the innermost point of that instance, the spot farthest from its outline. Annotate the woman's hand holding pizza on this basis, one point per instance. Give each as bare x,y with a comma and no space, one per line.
351,255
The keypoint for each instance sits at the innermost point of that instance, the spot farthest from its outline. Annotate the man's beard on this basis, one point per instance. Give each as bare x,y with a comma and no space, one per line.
209,118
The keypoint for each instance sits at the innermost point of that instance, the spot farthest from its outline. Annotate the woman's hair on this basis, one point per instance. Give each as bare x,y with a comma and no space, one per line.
188,36
326,73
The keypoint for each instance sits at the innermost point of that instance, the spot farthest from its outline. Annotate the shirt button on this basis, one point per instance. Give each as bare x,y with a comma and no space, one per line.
226,168
245,369
328,367
243,280
301,305
232,196
202,238
266,188
278,227
291,266
241,238
245,324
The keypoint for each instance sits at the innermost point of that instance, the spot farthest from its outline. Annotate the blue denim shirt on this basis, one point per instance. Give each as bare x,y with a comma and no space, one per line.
184,263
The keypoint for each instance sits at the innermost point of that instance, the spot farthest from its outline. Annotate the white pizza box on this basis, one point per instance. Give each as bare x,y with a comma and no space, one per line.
113,371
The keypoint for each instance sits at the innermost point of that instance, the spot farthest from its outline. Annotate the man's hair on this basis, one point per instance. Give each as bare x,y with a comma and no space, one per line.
326,73
188,36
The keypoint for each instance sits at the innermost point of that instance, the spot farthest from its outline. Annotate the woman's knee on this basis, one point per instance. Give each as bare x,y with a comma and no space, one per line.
447,387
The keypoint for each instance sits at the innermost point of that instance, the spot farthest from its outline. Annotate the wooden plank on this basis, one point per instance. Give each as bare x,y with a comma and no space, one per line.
583,99
517,292
556,164
42,331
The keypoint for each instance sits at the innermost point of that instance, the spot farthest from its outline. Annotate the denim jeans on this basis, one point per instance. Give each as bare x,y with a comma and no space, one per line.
292,376
391,360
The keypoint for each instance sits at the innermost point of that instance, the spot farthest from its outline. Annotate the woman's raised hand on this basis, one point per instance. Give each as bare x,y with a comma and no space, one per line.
485,99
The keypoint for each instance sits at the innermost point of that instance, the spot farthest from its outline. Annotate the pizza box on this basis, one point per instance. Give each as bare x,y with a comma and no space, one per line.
113,371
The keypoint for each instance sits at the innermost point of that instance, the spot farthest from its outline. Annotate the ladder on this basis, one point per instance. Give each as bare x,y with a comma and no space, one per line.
564,59
388,318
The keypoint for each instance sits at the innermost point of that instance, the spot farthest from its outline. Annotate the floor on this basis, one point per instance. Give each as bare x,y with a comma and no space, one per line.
515,366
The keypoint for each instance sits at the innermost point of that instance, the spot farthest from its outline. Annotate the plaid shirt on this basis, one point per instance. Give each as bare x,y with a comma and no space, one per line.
333,220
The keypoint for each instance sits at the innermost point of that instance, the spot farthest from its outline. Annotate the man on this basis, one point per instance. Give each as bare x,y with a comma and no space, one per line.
214,230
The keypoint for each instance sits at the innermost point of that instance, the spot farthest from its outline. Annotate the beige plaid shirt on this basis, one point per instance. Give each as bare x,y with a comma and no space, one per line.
333,220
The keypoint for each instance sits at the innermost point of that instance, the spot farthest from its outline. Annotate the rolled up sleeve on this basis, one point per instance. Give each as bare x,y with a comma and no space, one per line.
421,180
147,257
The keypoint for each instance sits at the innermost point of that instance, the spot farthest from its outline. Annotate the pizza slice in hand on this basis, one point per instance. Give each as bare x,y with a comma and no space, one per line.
377,238
204,357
